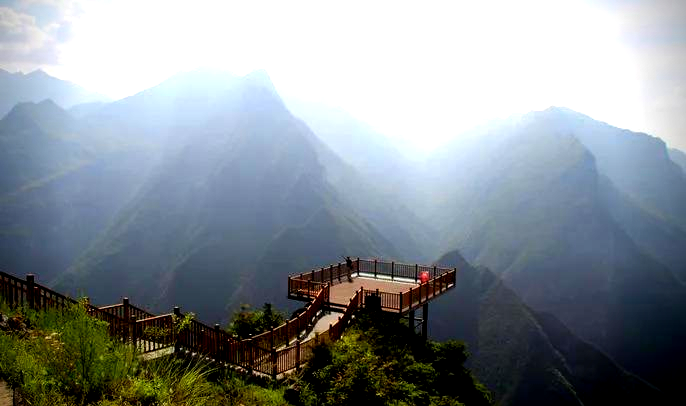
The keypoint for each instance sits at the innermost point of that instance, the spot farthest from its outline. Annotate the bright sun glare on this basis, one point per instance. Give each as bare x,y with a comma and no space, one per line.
421,71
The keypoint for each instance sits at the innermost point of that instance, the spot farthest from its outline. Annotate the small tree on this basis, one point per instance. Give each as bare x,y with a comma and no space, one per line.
246,322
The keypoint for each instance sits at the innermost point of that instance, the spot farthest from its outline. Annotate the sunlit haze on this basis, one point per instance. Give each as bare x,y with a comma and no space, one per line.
421,72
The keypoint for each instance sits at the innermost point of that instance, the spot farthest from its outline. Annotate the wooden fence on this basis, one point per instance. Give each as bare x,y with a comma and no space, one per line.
273,352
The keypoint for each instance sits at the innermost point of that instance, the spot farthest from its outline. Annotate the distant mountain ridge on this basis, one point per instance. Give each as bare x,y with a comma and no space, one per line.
38,86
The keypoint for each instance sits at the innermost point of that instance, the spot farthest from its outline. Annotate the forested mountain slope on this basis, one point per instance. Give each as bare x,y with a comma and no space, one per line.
524,356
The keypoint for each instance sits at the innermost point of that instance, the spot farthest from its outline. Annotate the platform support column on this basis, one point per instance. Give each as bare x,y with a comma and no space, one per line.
425,321
30,290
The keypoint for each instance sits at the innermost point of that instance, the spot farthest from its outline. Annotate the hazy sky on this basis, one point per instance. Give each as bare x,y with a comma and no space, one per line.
420,70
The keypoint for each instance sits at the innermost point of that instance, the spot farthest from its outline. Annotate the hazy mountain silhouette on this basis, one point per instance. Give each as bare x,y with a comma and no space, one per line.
60,185
526,357
371,153
526,198
37,141
638,164
37,86
678,157
371,191
238,173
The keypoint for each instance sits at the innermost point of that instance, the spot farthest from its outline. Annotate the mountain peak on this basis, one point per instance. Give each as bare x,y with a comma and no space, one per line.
32,108
46,114
558,113
259,77
39,73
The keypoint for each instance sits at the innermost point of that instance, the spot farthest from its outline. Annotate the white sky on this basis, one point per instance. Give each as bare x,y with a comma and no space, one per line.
419,71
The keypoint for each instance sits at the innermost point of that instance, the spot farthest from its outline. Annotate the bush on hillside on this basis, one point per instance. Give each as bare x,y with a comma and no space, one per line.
379,362
246,323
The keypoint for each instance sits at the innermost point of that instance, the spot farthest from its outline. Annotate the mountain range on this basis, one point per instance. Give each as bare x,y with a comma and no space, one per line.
207,190
37,86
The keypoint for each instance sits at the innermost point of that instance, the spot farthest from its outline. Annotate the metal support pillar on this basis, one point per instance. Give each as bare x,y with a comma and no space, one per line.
425,320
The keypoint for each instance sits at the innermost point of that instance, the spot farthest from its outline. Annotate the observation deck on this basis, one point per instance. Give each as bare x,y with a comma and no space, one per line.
399,286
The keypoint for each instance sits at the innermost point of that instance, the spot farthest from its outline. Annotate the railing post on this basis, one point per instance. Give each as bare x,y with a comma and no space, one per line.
309,283
177,333
358,266
37,303
297,355
127,317
217,343
339,272
374,267
400,302
250,356
434,275
134,333
288,330
312,276
30,282
416,272
321,278
331,274
271,337
392,269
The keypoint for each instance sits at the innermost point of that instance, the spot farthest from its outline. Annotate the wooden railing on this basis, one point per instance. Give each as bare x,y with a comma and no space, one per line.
440,279
273,352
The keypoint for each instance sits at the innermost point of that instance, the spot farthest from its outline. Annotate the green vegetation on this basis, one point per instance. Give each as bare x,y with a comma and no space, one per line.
67,358
378,363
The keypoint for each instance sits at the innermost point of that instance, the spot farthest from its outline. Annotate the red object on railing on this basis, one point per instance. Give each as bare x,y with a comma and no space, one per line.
424,277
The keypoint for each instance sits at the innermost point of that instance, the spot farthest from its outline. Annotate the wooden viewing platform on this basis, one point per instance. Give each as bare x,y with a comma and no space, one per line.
391,287
398,285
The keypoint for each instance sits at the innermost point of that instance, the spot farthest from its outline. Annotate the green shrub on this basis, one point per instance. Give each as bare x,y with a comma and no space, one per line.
379,362
68,355
246,322
69,359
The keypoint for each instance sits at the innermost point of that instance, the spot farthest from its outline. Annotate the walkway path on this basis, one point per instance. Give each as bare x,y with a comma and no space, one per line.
5,394
323,324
